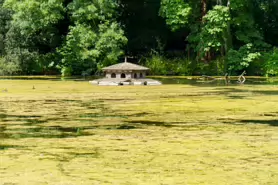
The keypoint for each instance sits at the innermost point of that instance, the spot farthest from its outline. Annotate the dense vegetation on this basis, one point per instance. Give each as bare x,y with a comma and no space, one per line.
180,37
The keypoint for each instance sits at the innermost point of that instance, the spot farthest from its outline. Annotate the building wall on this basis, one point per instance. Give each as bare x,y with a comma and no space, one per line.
128,74
138,74
118,75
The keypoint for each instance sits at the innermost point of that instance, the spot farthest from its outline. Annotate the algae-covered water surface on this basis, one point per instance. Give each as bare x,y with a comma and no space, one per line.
70,132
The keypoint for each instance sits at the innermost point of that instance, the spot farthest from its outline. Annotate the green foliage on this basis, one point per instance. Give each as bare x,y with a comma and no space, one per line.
241,59
8,67
95,39
5,17
157,65
160,65
32,38
216,67
271,65
243,22
176,13
181,66
211,35
33,15
92,12
87,48
66,71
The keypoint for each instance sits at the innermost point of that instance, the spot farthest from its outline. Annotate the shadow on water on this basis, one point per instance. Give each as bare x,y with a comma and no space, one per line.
25,131
140,114
101,115
32,126
5,147
228,92
271,122
2,115
126,127
267,92
58,131
268,122
236,97
151,123
43,132
28,119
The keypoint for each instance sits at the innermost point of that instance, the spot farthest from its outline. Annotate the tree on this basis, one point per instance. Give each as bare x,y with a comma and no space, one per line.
5,18
33,35
95,39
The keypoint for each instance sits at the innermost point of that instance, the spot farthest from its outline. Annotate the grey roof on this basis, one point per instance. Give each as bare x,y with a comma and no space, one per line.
125,66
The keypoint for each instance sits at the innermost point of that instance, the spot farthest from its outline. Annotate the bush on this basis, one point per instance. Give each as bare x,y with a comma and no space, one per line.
271,65
157,65
160,65
8,68
66,71
215,67
181,66
240,59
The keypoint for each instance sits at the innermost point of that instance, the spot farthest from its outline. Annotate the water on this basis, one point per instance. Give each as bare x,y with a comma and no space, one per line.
194,80
200,81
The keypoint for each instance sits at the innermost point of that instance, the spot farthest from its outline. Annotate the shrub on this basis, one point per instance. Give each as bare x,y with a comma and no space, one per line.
271,65
157,65
8,68
160,65
66,71
215,67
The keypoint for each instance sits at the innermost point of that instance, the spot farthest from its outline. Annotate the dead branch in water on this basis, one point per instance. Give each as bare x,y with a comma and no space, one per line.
227,79
241,78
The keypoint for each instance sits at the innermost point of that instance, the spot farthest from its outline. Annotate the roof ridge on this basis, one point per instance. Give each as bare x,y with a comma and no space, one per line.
125,66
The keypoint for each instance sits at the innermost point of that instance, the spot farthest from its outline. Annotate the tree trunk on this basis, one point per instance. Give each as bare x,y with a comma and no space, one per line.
204,12
204,9
227,39
219,2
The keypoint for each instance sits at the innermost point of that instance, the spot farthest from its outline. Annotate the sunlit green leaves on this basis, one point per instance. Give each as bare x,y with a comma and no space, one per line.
211,35
271,65
176,13
5,17
95,39
83,11
33,15
241,59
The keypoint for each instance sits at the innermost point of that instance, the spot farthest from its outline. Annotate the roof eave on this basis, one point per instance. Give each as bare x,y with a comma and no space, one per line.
125,69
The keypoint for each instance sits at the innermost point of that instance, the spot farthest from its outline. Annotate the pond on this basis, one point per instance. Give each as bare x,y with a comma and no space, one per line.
67,131
217,81
187,80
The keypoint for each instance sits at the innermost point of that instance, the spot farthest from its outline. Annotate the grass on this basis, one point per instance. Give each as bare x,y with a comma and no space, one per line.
66,132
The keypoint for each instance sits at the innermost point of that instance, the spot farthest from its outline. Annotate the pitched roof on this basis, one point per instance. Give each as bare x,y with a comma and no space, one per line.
125,66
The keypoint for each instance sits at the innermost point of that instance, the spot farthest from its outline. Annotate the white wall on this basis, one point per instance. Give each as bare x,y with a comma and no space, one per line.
128,74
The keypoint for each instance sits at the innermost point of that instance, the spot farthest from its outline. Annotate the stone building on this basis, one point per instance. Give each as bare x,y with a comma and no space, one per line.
125,70
125,73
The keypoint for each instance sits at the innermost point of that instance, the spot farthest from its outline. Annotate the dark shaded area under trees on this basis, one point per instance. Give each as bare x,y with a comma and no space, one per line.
172,37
